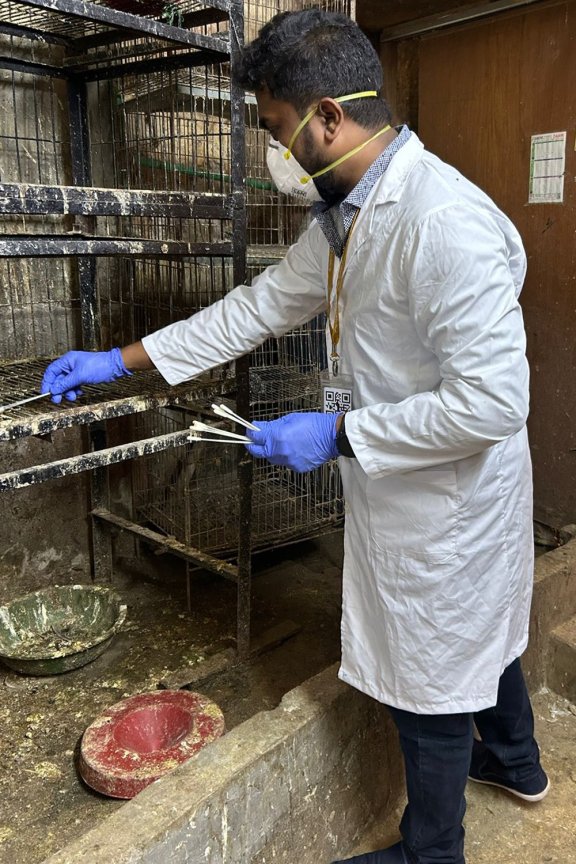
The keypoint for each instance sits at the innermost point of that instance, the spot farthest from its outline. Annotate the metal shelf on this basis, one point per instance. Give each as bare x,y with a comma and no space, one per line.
70,21
76,244
35,199
23,477
91,71
96,42
142,391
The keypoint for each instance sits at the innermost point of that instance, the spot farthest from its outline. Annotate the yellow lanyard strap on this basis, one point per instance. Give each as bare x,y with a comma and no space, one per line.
335,327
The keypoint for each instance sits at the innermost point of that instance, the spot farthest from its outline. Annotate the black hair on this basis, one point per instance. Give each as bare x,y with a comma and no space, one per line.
301,57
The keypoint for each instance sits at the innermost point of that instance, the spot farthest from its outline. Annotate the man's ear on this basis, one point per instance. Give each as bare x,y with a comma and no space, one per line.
332,117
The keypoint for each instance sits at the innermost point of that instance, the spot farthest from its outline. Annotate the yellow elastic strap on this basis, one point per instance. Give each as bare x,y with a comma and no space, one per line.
339,161
363,95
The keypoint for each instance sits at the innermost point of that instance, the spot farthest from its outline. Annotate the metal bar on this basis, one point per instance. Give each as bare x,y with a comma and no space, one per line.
101,543
37,246
32,33
33,199
239,231
82,176
126,21
190,553
89,461
201,673
223,5
100,535
79,138
192,19
73,414
29,68
139,67
446,19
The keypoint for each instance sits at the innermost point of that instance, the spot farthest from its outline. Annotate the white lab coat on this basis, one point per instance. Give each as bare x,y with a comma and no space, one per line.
438,539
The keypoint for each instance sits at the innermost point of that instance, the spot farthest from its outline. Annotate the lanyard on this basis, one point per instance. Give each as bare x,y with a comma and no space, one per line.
334,327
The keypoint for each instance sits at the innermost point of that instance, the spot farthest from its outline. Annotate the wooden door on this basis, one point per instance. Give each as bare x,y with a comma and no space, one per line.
483,90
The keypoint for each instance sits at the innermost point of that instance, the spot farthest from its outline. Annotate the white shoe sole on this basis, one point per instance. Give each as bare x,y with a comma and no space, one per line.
531,798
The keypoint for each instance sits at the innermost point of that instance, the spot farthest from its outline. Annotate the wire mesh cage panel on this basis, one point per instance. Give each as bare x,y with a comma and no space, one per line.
98,120
192,493
164,130
155,120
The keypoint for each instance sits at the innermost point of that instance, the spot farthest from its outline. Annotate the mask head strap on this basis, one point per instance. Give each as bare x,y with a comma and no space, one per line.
364,94
343,158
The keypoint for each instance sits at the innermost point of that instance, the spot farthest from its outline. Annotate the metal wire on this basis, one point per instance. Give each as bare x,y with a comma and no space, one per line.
70,27
192,493
156,130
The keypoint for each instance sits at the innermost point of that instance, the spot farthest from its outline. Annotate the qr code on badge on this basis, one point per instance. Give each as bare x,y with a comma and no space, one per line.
336,401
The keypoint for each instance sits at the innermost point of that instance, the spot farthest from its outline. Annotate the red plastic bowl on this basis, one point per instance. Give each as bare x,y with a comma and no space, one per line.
143,737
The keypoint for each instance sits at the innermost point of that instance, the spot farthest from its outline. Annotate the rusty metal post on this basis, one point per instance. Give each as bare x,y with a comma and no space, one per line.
238,173
86,270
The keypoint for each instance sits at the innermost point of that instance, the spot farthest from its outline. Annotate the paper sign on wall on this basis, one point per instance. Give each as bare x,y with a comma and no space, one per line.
547,161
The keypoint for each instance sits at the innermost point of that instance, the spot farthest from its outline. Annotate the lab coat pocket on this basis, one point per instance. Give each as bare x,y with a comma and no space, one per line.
415,515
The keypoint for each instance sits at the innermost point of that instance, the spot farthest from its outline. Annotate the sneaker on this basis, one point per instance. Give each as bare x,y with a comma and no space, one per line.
483,769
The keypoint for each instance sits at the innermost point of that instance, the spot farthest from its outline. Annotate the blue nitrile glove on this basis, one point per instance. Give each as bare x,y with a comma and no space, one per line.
66,375
299,441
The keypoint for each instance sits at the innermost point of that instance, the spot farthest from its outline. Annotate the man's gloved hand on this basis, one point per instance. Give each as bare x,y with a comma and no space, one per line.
66,375
299,441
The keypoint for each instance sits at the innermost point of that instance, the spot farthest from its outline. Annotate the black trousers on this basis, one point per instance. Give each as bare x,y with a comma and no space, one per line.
437,750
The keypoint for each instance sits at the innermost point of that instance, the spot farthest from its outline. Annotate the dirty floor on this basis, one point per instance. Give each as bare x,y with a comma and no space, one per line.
44,805
501,829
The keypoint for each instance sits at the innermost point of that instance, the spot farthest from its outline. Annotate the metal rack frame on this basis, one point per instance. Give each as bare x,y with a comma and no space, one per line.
103,27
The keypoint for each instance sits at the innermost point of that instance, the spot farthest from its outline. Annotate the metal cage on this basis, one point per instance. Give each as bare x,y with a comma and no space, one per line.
133,192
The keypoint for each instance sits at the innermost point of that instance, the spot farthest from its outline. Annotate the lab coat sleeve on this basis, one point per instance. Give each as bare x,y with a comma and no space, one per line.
284,296
462,293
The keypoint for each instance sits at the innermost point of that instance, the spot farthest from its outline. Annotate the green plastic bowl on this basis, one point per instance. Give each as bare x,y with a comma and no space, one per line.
59,628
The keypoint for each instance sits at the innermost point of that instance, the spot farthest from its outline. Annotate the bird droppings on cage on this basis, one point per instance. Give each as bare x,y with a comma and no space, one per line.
129,395
37,199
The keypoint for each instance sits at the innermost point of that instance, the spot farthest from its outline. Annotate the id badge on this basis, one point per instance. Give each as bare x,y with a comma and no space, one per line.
336,393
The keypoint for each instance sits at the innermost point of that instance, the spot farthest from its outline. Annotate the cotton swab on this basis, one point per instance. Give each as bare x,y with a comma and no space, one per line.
195,437
223,410
23,401
197,426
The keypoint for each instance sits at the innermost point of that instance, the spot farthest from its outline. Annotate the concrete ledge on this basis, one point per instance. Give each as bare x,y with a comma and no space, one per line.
554,602
562,660
299,784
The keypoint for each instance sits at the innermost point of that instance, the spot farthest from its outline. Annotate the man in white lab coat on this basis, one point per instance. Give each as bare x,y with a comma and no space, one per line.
420,273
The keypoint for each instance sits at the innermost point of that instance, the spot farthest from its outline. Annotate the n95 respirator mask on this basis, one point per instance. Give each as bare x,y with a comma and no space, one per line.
288,175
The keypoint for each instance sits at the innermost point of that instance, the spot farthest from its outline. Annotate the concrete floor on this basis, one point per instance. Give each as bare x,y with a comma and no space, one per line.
44,805
501,829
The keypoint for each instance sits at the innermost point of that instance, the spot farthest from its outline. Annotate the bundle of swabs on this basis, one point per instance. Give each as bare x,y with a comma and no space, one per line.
204,432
